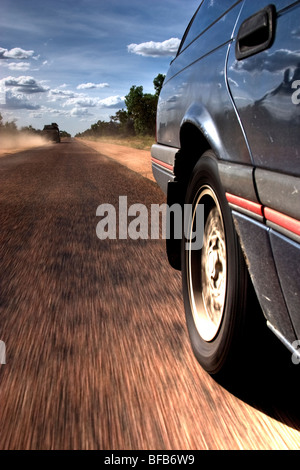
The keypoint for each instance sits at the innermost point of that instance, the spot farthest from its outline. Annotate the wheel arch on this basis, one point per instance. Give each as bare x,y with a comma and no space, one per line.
197,135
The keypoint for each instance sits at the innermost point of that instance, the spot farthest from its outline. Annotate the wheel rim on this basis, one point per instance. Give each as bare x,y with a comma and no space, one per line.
207,268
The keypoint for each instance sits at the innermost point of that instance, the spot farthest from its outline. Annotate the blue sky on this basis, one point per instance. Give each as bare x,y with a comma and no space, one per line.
73,61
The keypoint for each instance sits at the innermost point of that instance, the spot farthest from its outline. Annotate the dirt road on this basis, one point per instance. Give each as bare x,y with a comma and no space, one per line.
134,159
98,355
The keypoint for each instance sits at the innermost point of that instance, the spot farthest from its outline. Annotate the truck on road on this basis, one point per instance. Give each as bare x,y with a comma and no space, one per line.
51,132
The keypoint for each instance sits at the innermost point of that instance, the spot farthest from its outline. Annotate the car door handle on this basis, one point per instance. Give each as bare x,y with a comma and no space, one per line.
256,33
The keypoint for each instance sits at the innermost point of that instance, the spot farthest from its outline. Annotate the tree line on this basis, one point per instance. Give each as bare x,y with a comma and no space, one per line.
139,117
11,128
7,127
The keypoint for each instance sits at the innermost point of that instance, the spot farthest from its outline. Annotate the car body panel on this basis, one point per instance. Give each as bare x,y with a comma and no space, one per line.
287,256
279,191
261,87
256,245
196,92
247,110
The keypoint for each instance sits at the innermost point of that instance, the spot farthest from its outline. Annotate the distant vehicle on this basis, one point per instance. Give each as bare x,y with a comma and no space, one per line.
51,132
228,140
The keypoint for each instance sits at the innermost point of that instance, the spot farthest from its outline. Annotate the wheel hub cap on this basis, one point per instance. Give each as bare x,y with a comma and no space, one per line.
208,288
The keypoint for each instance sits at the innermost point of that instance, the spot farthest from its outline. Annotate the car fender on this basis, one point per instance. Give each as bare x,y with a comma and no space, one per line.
200,117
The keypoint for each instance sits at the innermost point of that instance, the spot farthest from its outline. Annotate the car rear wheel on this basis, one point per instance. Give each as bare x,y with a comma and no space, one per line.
215,279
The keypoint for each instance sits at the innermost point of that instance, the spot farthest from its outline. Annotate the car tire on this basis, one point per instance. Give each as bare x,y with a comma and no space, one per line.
215,280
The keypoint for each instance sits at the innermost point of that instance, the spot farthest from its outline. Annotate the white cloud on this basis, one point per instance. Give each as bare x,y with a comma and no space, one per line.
34,115
82,102
89,86
80,112
85,102
112,102
17,101
59,112
57,94
18,66
155,49
15,53
23,84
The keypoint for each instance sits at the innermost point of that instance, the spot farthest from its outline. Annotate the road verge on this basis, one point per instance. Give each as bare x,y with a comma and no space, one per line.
134,159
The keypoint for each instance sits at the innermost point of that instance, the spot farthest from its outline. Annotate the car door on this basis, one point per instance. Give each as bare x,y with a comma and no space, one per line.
263,72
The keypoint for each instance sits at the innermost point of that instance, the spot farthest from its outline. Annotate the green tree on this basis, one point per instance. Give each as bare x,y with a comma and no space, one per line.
158,83
125,122
11,127
139,117
29,129
8,127
65,134
142,109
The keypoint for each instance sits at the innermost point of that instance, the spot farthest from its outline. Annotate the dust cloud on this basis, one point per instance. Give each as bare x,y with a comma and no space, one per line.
11,143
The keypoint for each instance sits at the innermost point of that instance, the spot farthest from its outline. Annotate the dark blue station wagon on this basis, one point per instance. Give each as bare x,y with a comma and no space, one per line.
228,139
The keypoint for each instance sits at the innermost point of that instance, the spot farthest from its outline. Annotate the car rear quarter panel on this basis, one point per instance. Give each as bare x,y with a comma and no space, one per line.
246,113
195,91
264,90
262,87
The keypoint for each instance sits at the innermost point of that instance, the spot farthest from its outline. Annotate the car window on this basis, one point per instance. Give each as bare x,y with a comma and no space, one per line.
206,15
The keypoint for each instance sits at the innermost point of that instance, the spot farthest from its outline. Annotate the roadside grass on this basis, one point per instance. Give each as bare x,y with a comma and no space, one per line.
141,142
